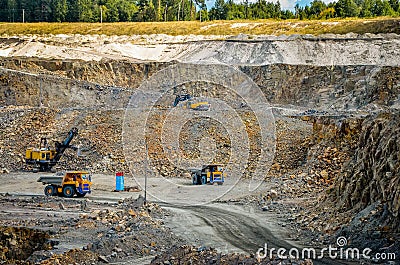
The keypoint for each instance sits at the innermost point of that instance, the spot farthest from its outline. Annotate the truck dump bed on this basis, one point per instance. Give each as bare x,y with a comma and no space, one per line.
194,170
55,180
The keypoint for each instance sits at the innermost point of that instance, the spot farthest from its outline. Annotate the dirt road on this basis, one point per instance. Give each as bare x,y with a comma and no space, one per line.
231,228
228,228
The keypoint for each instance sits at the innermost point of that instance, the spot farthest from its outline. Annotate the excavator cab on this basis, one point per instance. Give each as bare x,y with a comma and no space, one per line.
180,98
39,156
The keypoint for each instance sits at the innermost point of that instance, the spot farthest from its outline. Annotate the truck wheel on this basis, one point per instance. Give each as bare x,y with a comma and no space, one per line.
68,191
49,190
204,180
194,179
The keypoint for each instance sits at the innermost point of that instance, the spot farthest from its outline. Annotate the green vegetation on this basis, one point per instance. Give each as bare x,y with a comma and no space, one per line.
185,10
256,27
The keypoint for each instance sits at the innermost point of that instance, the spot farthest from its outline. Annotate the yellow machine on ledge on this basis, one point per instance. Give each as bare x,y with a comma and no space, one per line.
189,103
44,158
73,182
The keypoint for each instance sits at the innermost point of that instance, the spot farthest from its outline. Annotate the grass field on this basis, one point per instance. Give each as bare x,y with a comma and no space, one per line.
270,27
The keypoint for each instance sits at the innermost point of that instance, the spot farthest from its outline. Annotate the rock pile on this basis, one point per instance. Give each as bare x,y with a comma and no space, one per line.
73,256
292,143
327,166
332,143
134,230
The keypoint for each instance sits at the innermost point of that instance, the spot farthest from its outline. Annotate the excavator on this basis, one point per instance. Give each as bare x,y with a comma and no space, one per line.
45,157
190,103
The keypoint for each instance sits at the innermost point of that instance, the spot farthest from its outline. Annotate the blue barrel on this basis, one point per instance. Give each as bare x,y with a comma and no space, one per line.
119,181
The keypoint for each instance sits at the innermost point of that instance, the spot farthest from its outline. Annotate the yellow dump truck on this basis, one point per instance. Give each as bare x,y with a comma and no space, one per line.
208,174
72,183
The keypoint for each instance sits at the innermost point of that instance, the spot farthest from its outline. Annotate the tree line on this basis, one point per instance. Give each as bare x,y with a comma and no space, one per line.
99,10
185,10
316,10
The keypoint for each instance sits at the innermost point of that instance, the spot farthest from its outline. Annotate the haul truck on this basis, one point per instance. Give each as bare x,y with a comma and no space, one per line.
208,174
72,183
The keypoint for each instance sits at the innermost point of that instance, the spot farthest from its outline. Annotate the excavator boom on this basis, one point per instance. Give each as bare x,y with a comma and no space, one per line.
60,148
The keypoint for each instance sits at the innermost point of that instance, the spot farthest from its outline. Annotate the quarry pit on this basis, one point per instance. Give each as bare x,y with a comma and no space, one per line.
308,127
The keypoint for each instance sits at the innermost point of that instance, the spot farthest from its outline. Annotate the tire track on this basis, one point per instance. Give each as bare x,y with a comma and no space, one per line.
242,230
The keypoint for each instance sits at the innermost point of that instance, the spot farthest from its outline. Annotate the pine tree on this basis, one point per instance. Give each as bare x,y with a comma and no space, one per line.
347,8
59,10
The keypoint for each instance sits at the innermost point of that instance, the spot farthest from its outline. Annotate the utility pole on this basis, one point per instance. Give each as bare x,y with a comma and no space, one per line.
23,15
159,11
40,92
179,10
183,10
145,173
200,14
101,14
